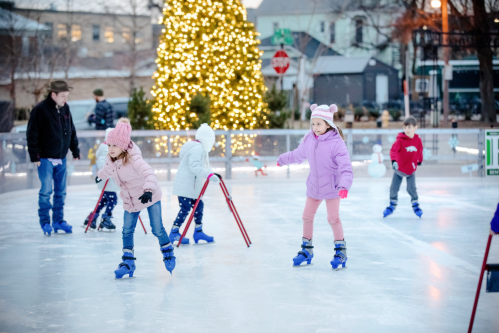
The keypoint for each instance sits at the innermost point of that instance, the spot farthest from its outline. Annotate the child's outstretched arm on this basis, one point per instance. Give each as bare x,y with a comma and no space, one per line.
296,156
394,151
420,157
104,173
342,159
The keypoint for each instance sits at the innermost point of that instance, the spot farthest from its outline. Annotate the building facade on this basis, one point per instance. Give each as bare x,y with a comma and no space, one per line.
351,28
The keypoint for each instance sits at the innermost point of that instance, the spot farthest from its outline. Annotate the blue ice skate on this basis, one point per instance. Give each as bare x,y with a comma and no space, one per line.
168,257
175,236
106,224
200,235
415,207
306,254
47,229
62,226
390,209
127,266
340,257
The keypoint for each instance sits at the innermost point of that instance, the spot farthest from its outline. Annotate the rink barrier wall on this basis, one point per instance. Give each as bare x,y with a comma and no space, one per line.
16,173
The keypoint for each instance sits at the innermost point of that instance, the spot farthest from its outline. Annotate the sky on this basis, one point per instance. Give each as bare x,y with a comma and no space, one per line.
95,5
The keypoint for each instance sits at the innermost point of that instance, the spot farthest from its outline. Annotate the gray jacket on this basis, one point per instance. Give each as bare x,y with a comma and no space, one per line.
193,170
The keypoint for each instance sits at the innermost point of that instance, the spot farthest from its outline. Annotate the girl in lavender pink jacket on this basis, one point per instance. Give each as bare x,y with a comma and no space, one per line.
330,179
139,190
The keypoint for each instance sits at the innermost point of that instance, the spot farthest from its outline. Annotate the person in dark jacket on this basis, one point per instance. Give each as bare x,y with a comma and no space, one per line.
50,134
104,112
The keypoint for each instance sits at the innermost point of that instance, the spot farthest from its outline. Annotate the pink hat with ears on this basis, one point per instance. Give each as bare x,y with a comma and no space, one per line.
324,112
120,135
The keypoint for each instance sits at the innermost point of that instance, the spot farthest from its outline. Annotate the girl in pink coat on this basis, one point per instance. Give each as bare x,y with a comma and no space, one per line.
139,190
330,179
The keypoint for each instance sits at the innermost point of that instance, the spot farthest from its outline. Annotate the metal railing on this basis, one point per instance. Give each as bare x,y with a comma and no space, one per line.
444,148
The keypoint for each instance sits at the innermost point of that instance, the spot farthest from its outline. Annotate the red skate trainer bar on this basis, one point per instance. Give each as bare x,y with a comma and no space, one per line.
232,208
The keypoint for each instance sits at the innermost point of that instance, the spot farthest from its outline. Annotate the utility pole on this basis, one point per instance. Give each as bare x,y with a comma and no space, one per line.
447,73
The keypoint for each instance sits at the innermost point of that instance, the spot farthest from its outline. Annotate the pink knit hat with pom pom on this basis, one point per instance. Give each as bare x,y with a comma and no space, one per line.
325,113
120,135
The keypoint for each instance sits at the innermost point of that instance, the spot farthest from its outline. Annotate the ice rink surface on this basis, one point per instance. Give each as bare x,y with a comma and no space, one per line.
404,274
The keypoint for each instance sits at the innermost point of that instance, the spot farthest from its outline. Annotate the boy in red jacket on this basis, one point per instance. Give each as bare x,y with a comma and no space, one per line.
406,154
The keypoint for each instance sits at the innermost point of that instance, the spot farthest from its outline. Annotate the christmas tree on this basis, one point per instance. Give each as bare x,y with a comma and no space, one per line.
208,48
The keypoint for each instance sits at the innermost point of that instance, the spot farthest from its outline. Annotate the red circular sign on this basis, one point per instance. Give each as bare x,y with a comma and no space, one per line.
280,62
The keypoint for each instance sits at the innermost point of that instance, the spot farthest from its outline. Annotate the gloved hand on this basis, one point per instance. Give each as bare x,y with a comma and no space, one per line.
97,180
343,194
214,178
146,197
395,165
278,164
419,163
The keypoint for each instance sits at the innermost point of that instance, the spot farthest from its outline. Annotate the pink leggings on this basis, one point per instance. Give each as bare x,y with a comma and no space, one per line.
333,217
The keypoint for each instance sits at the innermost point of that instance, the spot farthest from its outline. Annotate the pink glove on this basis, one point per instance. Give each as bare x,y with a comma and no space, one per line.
343,194
278,164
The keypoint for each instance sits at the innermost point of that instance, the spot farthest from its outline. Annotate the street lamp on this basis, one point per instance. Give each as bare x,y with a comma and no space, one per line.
436,4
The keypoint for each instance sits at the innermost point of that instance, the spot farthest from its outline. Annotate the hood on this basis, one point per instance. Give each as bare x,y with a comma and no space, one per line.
405,137
107,133
135,150
206,136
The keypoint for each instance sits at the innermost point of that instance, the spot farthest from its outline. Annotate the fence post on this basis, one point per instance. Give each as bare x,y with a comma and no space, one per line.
481,148
228,155
288,148
169,164
350,142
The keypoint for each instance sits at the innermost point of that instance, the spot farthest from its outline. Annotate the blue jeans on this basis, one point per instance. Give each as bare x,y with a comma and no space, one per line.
130,222
49,173
185,207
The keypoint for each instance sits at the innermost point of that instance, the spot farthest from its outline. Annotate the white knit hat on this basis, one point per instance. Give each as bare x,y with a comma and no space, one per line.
325,113
206,135
107,132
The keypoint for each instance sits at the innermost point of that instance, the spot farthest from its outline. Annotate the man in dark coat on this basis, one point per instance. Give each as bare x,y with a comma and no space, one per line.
50,134
104,112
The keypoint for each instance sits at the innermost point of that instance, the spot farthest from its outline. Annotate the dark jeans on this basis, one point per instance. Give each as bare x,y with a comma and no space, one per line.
130,222
411,186
185,207
48,174
109,200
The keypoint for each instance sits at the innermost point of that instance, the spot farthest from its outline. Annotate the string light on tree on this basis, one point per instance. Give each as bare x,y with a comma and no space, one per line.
208,48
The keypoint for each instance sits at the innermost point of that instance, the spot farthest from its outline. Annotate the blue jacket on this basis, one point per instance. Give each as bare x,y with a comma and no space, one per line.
494,224
104,115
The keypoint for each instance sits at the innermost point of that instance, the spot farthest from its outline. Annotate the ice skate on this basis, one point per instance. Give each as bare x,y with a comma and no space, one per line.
305,255
47,229
93,225
340,258
175,236
63,225
200,235
106,224
168,257
415,207
127,266
390,209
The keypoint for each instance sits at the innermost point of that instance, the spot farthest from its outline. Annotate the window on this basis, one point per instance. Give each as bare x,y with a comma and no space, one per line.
276,26
109,35
359,31
126,35
62,31
50,26
332,33
322,26
75,32
139,37
96,33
